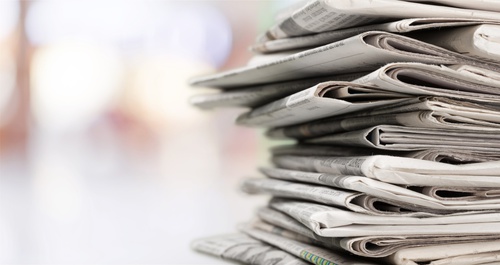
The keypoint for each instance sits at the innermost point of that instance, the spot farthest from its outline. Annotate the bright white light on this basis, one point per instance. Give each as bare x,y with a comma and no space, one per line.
160,91
110,21
200,32
9,14
72,83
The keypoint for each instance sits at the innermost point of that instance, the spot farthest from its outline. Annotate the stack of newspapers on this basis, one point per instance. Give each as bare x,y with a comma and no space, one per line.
395,109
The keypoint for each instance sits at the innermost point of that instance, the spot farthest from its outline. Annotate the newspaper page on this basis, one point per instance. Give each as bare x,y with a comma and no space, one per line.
323,15
488,5
403,138
449,156
323,100
440,198
363,52
423,79
400,26
365,246
398,170
313,254
426,80
479,41
476,73
277,218
424,112
354,201
451,254
453,194
240,247
453,156
328,221
259,95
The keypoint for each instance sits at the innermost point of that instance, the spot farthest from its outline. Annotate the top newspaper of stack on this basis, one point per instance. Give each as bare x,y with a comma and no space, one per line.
325,15
363,52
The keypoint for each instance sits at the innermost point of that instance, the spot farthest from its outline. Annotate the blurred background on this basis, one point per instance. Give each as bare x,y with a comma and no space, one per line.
102,159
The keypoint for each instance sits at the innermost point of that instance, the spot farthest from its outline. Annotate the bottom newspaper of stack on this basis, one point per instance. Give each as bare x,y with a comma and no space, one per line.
368,209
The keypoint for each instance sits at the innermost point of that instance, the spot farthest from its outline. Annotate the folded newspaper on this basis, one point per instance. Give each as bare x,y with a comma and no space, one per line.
417,25
403,138
313,254
335,222
354,201
398,170
423,112
379,89
363,52
367,246
242,248
482,252
255,96
450,156
479,41
323,100
445,198
326,15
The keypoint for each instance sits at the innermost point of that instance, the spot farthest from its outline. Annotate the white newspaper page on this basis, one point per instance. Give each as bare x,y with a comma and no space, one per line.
354,201
400,26
488,5
323,15
424,112
453,156
452,254
315,255
480,41
363,52
259,95
440,198
402,138
366,246
242,248
416,119
333,222
423,79
323,100
398,170
449,156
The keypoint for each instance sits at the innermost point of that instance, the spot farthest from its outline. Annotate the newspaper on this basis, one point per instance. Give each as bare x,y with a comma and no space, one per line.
355,201
471,253
403,138
323,100
323,15
424,112
400,26
259,95
240,247
489,5
279,219
450,156
313,254
329,221
366,246
479,41
423,79
453,156
398,170
363,52
397,80
423,197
